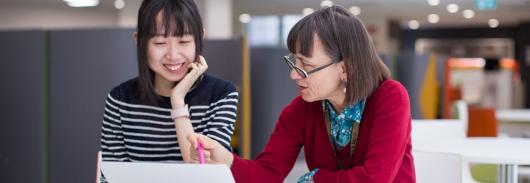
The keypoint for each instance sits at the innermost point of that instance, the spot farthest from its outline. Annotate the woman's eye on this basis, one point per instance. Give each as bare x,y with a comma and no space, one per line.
184,42
160,43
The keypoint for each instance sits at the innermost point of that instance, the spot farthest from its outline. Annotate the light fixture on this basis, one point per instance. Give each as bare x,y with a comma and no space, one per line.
326,3
452,8
468,14
355,10
81,3
414,24
245,18
307,11
433,18
119,4
433,2
493,23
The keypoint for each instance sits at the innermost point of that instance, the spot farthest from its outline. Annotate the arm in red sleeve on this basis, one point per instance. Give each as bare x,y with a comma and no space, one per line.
390,131
279,156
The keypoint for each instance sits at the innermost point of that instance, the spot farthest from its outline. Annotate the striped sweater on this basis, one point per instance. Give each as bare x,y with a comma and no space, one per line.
134,131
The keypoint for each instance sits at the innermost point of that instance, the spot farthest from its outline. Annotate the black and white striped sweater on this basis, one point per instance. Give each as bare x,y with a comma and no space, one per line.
133,131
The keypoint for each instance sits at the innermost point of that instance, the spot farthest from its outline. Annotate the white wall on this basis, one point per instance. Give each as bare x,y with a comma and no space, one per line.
51,16
128,16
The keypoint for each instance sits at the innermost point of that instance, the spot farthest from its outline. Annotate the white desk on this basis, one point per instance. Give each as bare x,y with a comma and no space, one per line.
514,122
508,152
515,115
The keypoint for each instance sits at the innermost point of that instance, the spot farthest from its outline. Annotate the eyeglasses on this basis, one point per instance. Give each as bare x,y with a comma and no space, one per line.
290,60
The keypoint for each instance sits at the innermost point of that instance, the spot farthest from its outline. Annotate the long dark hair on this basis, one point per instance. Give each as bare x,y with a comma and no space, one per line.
180,17
345,38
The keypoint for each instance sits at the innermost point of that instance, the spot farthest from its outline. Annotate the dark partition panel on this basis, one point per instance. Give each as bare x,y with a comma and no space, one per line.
411,70
272,90
224,59
22,106
84,66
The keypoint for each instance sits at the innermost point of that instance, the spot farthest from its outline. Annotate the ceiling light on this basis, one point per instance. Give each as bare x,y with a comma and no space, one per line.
468,14
433,2
452,8
307,11
493,23
82,3
119,4
326,3
433,18
355,10
245,18
414,24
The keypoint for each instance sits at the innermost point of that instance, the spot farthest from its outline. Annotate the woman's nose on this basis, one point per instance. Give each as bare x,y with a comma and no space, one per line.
173,52
294,75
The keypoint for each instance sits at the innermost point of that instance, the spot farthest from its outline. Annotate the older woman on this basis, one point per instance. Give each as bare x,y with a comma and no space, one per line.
351,119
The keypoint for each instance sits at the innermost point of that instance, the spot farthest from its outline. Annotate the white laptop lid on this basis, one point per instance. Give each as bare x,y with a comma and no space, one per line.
142,172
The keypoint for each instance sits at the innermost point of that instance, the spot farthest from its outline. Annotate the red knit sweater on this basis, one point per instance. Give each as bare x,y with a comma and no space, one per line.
382,154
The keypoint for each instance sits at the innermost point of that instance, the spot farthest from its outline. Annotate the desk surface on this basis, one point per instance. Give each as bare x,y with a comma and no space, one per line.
513,115
483,149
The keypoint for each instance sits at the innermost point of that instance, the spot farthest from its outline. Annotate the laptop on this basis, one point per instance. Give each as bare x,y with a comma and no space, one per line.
142,172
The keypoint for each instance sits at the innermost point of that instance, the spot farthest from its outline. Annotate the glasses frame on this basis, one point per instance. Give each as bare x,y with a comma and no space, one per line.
301,71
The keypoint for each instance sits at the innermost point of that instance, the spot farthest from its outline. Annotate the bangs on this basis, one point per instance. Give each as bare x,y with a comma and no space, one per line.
176,20
300,38
320,23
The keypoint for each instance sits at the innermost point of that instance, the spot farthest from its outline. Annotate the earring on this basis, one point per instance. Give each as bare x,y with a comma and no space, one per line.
345,82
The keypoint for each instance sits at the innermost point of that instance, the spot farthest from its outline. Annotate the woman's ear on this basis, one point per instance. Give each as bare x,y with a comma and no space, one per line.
343,73
135,37
204,32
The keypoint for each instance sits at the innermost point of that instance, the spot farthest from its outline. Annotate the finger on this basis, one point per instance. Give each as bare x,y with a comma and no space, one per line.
194,69
207,142
192,138
194,153
193,161
202,62
206,154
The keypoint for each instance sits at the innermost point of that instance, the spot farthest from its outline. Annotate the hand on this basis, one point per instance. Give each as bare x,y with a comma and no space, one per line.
179,91
214,153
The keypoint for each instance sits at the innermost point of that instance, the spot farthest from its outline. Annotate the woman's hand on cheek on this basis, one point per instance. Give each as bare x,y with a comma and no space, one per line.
196,69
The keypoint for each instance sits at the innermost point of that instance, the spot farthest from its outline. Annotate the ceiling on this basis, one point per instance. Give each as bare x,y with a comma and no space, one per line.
508,12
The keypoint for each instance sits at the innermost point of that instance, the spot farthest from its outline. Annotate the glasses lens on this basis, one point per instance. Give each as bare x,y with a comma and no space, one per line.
300,72
291,61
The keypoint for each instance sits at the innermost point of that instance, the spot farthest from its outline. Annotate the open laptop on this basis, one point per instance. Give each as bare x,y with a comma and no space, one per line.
142,172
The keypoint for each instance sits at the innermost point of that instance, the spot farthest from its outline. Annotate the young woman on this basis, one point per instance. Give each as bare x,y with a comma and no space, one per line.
352,120
148,117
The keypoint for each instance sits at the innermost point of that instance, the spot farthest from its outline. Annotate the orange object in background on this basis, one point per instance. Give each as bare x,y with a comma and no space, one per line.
451,94
482,122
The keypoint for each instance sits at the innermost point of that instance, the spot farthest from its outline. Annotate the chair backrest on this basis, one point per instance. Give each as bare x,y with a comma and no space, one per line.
440,129
437,167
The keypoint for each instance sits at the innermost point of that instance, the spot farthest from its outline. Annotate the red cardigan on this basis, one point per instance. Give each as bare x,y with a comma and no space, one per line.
382,154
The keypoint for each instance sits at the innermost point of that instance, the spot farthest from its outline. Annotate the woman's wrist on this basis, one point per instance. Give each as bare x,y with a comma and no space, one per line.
177,103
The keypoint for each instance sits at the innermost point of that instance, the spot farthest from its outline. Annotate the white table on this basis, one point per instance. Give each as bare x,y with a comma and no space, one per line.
507,152
516,115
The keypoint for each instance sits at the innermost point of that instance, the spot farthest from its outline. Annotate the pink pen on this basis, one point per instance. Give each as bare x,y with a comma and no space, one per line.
201,153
